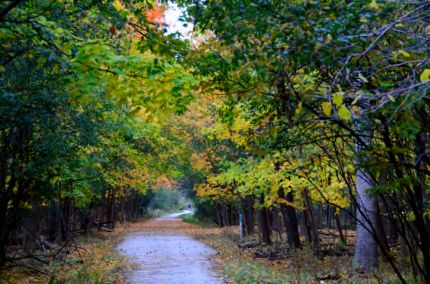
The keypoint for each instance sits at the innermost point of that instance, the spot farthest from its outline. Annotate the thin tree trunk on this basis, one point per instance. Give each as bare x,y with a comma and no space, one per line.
380,230
339,228
314,231
4,233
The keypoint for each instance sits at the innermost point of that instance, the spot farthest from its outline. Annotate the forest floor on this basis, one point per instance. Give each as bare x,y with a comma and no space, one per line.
96,259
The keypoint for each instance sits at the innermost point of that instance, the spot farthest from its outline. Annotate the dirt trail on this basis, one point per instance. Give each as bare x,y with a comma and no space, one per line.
163,252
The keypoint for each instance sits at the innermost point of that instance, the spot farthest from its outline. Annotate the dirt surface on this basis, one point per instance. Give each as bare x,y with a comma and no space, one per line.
163,252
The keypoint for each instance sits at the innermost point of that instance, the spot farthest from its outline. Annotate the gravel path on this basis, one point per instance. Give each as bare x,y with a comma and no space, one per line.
166,257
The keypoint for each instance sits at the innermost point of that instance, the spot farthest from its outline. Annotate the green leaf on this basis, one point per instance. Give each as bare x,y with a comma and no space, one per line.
425,76
326,106
363,78
338,99
404,53
344,113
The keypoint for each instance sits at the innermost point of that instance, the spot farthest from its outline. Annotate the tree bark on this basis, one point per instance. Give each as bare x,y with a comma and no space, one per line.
248,210
264,223
339,228
314,230
4,233
366,253
290,220
380,230
366,250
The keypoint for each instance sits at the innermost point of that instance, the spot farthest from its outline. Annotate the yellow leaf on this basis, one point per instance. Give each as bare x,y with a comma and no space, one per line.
373,5
326,106
338,98
117,5
410,216
425,76
344,113
299,108
356,110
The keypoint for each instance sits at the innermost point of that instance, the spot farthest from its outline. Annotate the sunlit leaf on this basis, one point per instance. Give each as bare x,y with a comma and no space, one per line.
326,106
299,108
425,75
338,98
344,113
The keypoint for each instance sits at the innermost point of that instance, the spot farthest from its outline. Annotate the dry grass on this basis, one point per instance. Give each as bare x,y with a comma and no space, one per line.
89,259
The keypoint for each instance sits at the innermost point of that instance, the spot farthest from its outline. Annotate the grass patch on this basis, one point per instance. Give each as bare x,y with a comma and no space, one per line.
101,264
192,219
155,213
242,271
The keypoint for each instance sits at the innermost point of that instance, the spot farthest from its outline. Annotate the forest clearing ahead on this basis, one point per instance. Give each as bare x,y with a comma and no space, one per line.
298,133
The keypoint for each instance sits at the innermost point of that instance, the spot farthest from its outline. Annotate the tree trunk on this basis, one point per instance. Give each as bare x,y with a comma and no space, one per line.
380,230
366,250
319,216
305,228
339,228
4,233
420,192
248,211
311,219
290,220
365,256
218,215
264,223
276,222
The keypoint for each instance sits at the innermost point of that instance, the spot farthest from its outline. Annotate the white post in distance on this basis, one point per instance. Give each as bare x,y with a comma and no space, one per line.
241,226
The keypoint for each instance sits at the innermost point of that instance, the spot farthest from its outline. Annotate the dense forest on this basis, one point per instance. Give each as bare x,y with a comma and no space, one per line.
301,118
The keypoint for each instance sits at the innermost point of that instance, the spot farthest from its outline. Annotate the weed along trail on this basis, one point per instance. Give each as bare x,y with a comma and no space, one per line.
163,253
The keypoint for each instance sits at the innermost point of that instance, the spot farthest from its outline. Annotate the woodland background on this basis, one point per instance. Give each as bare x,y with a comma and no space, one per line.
308,117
